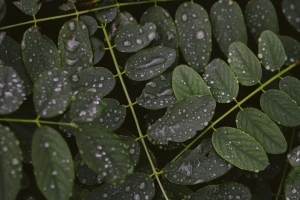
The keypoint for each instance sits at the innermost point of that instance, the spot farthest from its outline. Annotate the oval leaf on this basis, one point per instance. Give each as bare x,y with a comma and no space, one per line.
29,7
291,10
291,48
291,86
90,22
294,157
98,49
292,184
108,14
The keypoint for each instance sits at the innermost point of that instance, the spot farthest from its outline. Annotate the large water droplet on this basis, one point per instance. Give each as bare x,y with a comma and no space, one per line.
72,26
136,197
72,44
138,41
200,34
127,43
184,17
71,61
152,84
151,35
155,61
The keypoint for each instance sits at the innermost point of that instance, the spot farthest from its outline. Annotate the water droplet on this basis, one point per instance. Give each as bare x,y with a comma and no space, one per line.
46,145
30,59
259,55
138,41
72,26
75,78
71,61
194,15
200,34
151,84
72,44
132,151
127,43
292,7
184,17
151,35
127,188
136,197
142,185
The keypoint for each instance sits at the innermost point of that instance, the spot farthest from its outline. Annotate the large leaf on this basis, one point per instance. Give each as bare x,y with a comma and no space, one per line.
291,86
10,164
292,184
221,81
182,120
53,163
291,48
197,166
244,63
294,157
291,11
29,7
280,107
194,34
263,129
239,149
228,24
187,82
104,152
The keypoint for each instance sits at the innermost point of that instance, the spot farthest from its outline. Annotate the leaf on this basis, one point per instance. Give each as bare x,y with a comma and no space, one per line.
228,190
187,82
39,53
68,6
2,9
75,48
291,86
239,149
228,24
294,157
54,175
244,64
173,191
134,148
221,81
134,37
200,165
155,61
108,14
87,106
262,129
270,51
194,34
52,93
98,49
291,48
11,90
182,120
261,15
280,107
11,164
29,7
291,10
104,152
90,22
158,93
292,184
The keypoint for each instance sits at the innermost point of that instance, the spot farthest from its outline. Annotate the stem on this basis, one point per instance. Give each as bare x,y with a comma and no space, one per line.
37,121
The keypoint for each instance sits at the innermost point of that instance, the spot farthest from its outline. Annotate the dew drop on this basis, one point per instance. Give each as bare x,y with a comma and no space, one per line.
75,78
152,84
127,43
132,151
200,34
184,17
136,197
138,41
151,35
71,61
72,26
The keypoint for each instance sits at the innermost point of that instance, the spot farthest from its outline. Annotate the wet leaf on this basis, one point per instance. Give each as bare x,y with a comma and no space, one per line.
173,191
2,9
294,157
134,148
90,22
143,163
291,86
108,14
98,49
29,7
291,10
292,184
68,6
291,48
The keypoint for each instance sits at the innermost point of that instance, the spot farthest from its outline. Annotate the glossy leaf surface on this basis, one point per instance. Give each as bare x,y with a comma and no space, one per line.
90,22
294,157
291,48
291,10
133,148
108,14
292,184
291,86
29,7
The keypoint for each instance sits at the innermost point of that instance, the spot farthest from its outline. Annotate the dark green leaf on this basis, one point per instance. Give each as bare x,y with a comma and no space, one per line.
197,166
182,120
134,148
98,49
239,149
154,62
11,164
291,48
292,184
194,34
173,191
67,6
29,7
90,22
2,9
262,191
294,157
228,24
263,129
143,163
108,14
291,11
221,81
244,63
187,82
280,107
291,86
53,163
104,152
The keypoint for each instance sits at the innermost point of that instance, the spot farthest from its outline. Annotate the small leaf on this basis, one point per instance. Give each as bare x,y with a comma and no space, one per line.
108,14
182,120
98,49
270,51
263,129
52,93
104,152
239,149
11,164
228,24
280,107
54,175
194,34
221,81
68,6
197,166
134,37
245,64
155,61
291,10
90,22
291,86
2,9
291,48
292,184
187,82
29,7
11,90
294,157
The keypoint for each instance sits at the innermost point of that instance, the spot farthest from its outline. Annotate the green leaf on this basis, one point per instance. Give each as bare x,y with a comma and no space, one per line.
244,63
39,53
194,34
98,49
55,174
29,7
200,165
158,93
52,93
294,157
280,107
291,86
228,190
263,129
270,51
90,22
134,148
75,48
108,14
122,19
291,48
155,61
134,37
104,152
2,9
87,106
187,82
228,24
292,184
11,164
239,149
221,81
173,191
182,120
261,15
11,90
291,10
68,6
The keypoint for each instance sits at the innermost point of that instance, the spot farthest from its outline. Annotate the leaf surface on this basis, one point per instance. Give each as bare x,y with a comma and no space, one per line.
173,191
108,14
292,184
98,49
90,22
291,86
29,7
291,10
294,157
291,48
2,9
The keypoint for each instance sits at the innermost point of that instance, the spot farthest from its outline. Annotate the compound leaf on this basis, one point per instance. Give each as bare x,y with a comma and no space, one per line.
291,48
291,10
29,7
291,86
294,157
292,184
